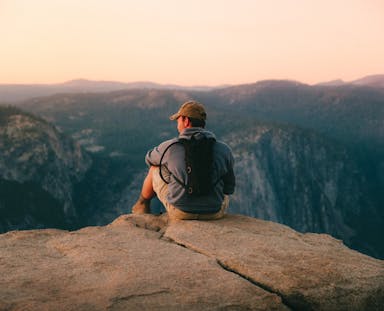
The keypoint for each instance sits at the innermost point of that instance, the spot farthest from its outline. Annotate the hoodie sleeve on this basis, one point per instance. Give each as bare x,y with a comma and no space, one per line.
153,156
229,178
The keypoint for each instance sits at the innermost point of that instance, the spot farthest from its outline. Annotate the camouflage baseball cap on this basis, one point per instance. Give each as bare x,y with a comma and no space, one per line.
191,109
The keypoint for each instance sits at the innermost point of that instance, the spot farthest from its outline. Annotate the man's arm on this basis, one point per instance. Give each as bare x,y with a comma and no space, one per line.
229,178
229,182
153,156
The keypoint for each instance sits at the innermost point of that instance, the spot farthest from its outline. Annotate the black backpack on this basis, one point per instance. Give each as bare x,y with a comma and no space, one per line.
198,165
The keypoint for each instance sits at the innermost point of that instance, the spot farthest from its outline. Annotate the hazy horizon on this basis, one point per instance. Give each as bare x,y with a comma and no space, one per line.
190,43
79,80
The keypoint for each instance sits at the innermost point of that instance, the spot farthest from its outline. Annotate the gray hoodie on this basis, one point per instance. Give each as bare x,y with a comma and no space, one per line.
173,164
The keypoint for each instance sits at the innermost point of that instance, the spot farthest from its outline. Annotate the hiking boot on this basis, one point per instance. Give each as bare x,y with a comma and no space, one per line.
142,206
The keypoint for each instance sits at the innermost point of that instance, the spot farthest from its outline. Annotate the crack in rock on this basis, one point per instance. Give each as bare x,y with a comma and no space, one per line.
121,299
302,271
262,286
229,269
161,227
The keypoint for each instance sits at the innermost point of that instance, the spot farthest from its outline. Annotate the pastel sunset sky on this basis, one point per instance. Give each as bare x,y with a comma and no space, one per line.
190,42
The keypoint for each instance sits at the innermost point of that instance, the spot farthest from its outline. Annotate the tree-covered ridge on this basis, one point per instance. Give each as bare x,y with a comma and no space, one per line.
38,169
322,144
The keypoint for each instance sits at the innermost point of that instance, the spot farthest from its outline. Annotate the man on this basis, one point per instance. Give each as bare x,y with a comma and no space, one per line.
168,181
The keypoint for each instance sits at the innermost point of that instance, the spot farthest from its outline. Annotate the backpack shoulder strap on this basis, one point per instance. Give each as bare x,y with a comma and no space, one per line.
161,161
184,142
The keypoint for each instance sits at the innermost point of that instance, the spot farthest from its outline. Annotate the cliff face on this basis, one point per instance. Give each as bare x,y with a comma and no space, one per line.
299,179
307,156
141,262
38,168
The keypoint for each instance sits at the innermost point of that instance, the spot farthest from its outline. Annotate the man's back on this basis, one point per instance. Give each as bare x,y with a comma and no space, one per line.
168,176
174,169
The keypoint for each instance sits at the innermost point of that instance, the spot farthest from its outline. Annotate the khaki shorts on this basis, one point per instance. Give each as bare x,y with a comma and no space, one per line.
161,189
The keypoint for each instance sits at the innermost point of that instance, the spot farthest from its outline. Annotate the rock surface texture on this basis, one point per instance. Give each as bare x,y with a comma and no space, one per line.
143,262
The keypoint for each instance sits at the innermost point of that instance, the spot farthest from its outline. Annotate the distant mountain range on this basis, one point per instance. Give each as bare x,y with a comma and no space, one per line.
311,157
18,92
372,80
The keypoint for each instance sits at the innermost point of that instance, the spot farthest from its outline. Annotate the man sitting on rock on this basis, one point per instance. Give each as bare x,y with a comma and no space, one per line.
192,174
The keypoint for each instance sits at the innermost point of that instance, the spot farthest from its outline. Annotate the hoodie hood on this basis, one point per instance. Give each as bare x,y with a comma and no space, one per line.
197,132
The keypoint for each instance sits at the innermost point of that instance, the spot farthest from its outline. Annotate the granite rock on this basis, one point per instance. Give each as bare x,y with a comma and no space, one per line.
144,262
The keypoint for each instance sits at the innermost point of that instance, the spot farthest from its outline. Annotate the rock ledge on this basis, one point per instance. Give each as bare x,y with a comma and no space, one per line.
141,262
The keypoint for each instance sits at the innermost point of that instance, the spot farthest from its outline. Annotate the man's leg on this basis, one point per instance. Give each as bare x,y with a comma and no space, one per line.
142,206
154,182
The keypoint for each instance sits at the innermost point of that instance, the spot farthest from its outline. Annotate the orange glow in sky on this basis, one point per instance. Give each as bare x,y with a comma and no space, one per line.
190,42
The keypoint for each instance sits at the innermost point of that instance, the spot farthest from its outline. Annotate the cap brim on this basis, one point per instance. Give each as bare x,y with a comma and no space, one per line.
174,116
